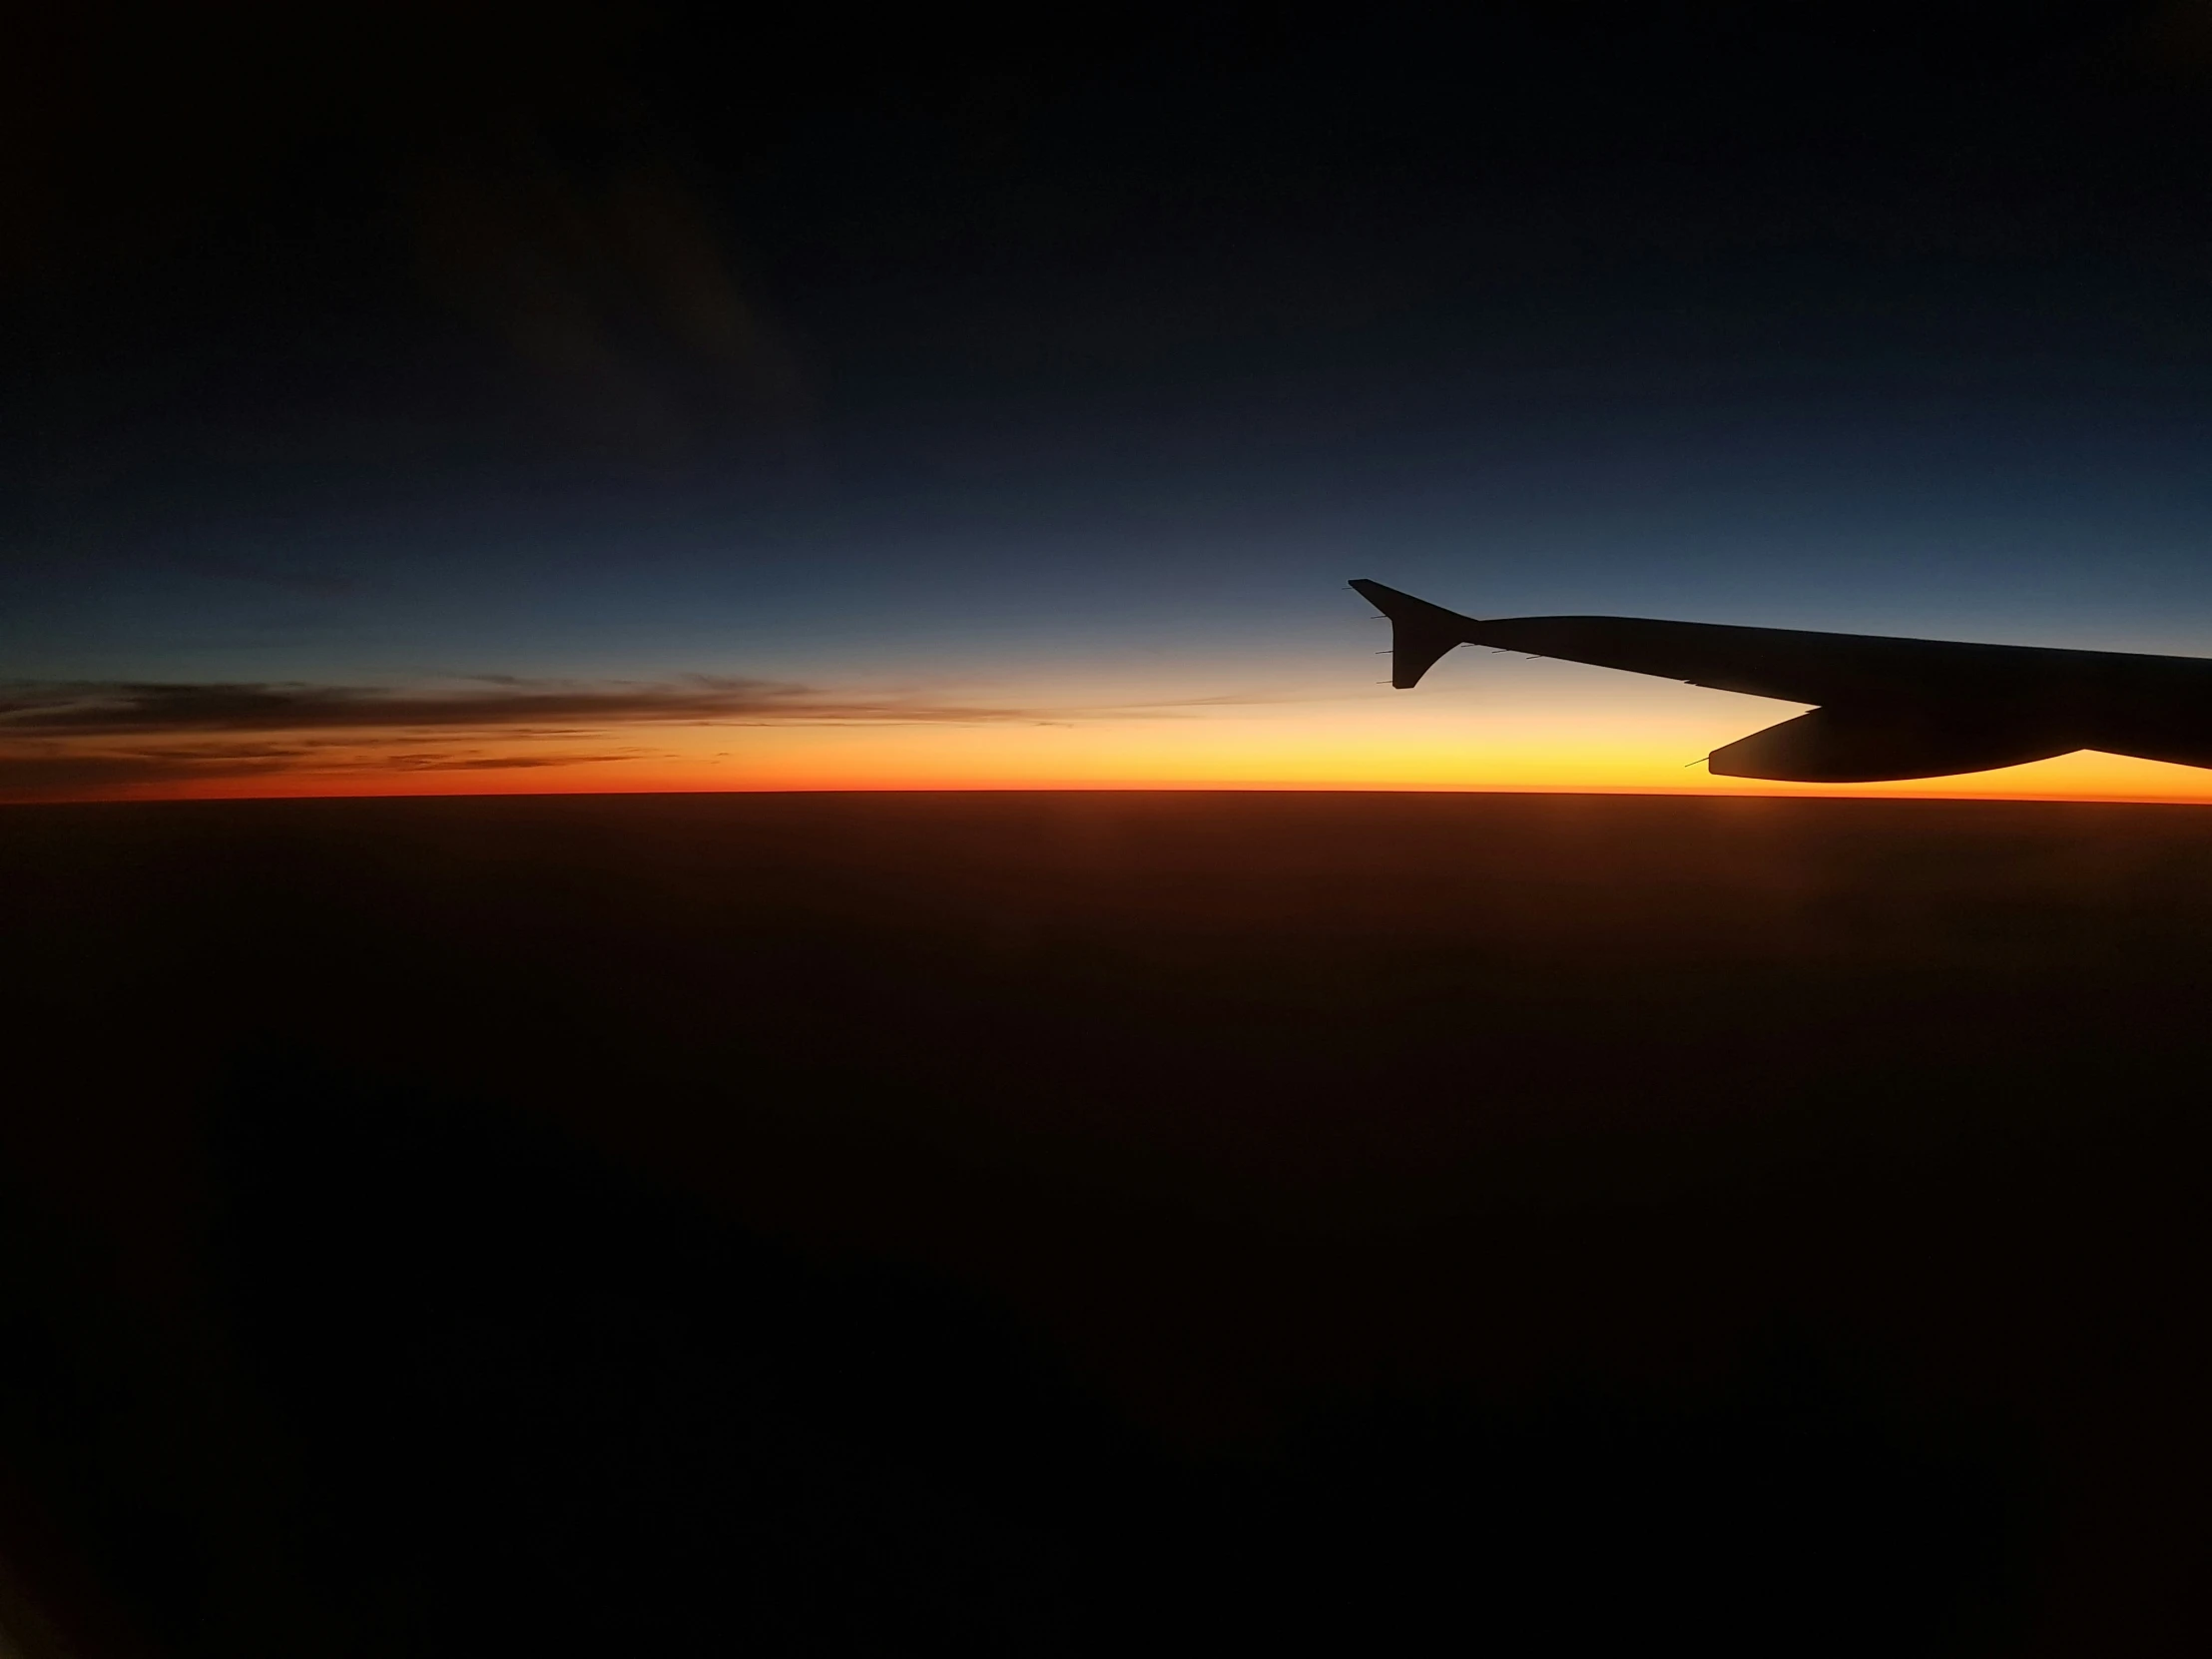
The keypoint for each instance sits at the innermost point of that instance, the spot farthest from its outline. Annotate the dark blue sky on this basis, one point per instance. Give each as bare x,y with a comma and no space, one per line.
1086,360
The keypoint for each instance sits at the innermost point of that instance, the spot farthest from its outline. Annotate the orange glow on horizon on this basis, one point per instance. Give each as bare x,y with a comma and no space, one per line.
1363,745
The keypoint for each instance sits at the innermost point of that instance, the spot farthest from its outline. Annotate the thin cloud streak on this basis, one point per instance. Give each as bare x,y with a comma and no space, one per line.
49,767
515,707
74,737
145,708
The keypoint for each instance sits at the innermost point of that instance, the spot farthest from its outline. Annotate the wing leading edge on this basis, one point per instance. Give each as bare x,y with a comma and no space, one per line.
1885,708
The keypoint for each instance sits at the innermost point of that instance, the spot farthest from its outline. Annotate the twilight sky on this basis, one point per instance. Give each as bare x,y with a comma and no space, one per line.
478,397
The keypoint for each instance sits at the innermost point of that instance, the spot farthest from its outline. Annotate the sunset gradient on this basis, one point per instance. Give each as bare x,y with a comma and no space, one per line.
1387,742
962,413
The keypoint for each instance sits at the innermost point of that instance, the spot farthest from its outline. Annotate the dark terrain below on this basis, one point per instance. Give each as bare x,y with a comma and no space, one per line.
1097,1222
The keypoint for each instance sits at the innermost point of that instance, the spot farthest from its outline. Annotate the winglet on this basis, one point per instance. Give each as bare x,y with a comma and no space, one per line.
1419,632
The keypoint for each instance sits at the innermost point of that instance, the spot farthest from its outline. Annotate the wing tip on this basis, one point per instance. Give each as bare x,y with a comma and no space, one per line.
1420,633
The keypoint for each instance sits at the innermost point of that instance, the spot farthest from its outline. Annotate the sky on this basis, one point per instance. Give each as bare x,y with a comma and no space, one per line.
478,398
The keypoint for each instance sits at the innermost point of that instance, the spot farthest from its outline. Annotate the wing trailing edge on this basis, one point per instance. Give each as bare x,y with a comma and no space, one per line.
1877,745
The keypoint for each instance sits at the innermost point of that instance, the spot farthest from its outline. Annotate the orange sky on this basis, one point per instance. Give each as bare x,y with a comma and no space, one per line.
1405,741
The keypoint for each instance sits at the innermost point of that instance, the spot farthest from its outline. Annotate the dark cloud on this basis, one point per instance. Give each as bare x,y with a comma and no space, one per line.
31,773
513,708
501,763
72,739
54,768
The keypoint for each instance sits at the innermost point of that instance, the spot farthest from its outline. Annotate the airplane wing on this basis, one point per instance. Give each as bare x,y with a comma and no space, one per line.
1886,708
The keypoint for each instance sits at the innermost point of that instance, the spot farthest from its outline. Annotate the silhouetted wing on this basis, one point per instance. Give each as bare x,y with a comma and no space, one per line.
1883,707
1791,665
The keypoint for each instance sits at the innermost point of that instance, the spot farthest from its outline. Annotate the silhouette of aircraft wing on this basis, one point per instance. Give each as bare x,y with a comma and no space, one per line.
1884,708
